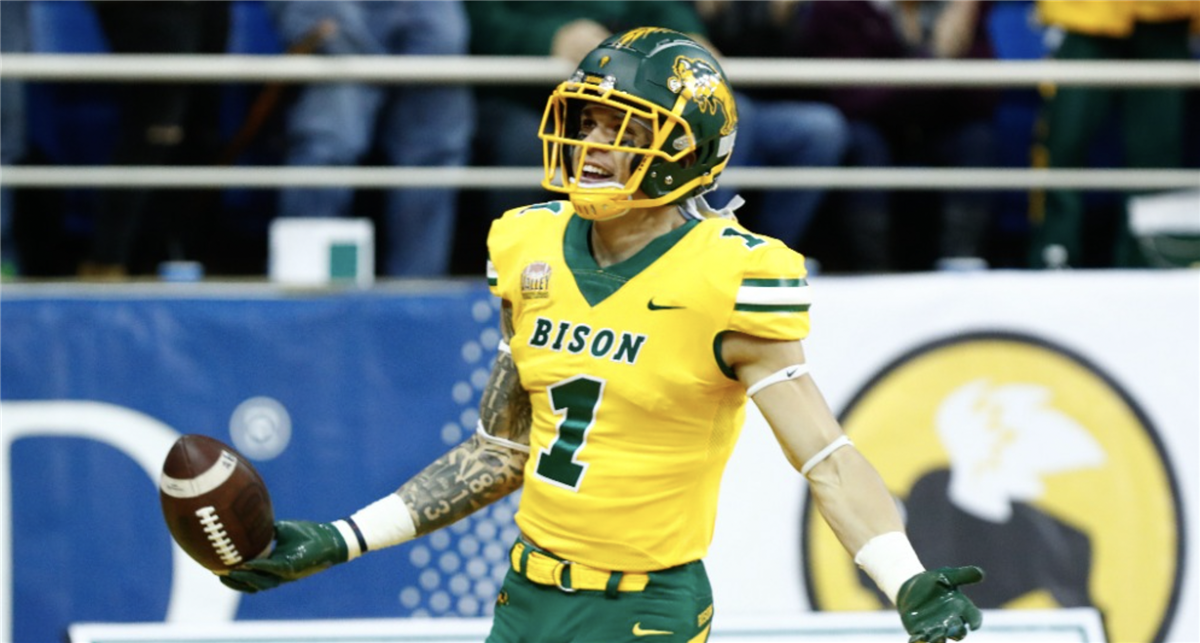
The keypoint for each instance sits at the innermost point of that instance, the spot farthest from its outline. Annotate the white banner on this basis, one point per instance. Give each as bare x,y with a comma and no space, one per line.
1058,626
1045,426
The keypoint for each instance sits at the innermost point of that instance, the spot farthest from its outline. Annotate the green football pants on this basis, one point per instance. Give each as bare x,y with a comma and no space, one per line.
675,607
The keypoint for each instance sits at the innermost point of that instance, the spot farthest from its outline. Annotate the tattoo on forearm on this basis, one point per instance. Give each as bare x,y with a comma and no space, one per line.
467,478
505,409
477,473
506,321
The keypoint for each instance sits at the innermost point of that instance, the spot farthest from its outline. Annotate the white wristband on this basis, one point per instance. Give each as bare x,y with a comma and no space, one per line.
889,559
782,375
841,441
383,523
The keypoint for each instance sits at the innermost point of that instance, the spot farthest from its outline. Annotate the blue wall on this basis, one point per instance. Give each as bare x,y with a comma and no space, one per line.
375,386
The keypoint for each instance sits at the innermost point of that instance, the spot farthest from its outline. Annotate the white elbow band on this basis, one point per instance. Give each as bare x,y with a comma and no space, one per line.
488,437
381,524
503,347
782,375
889,559
842,441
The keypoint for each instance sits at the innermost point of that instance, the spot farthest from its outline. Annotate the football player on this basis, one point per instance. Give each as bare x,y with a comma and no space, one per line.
637,321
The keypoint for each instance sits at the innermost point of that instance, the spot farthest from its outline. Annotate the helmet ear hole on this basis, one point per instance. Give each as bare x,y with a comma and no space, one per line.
688,161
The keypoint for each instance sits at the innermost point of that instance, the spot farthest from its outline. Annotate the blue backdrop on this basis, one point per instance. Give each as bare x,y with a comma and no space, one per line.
338,398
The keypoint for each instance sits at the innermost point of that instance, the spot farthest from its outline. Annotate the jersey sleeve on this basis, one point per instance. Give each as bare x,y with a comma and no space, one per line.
773,298
493,275
501,240
517,229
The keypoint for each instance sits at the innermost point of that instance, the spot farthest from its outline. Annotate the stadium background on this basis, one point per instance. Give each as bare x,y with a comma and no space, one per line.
338,395
75,123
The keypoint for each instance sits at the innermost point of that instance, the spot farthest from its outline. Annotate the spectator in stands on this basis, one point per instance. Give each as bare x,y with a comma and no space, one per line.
1152,119
161,124
902,126
341,123
773,129
770,133
14,37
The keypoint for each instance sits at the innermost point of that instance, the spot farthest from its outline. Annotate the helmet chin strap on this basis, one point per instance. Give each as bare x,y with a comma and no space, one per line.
697,207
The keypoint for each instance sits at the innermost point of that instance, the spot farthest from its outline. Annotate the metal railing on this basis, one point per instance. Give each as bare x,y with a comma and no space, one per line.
485,70
513,177
530,70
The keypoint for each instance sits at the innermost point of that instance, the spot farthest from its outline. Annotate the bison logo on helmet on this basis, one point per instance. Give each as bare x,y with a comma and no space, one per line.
699,81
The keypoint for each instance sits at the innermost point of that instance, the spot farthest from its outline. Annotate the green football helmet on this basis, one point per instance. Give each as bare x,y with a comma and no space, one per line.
662,80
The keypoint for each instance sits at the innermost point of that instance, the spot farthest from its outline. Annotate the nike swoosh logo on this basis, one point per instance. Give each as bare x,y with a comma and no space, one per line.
790,372
653,306
638,631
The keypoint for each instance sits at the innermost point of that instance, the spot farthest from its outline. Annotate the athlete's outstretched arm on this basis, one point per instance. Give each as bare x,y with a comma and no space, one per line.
848,491
486,467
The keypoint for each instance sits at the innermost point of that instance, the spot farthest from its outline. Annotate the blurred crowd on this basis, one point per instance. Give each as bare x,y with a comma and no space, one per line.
114,234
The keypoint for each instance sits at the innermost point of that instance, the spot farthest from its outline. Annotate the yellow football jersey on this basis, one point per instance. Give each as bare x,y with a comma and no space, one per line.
634,415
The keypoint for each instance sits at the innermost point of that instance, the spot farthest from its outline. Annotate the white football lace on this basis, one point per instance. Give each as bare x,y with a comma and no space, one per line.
218,536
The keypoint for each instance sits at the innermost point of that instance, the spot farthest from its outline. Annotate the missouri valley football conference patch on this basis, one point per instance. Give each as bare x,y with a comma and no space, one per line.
535,281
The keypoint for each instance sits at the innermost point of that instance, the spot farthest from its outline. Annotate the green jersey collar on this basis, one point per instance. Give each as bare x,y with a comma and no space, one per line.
596,283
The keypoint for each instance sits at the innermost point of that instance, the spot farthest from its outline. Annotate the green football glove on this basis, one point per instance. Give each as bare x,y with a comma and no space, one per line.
932,609
301,549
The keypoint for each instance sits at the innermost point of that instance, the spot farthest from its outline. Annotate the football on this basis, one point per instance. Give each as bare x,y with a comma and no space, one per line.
215,503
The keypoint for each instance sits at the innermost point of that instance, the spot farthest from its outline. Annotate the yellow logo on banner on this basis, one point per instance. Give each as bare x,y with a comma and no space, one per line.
1020,457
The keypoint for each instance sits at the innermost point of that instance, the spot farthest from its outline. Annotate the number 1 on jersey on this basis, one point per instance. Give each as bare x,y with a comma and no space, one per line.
576,400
